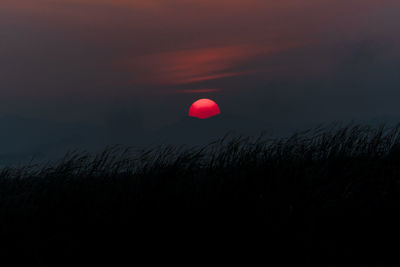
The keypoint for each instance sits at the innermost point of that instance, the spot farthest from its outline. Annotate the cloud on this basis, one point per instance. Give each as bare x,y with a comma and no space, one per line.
191,66
194,91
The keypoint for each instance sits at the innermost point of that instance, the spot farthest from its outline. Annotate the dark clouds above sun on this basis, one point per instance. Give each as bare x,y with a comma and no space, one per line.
274,57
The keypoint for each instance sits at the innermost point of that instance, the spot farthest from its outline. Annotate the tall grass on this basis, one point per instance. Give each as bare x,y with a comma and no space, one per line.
320,144
301,196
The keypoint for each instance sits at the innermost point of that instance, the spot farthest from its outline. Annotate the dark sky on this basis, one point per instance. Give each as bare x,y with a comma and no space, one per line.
120,67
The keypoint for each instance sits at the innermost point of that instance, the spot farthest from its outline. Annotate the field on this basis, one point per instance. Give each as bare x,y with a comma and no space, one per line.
325,197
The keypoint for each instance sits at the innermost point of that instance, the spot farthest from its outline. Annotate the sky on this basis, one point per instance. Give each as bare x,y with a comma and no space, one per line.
119,67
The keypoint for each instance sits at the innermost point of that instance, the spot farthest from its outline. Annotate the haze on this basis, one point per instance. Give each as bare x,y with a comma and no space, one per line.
118,69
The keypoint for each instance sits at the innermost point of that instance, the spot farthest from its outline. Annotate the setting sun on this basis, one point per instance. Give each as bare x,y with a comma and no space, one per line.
204,109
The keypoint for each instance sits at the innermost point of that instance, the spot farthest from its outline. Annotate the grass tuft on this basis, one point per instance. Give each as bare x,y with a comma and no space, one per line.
321,197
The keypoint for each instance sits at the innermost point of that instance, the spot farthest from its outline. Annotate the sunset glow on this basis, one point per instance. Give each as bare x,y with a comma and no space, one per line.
106,54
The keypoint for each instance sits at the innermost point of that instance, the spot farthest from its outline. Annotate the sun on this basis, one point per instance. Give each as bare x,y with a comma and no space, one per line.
204,109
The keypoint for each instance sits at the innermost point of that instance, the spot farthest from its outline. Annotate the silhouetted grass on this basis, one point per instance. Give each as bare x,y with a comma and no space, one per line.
326,197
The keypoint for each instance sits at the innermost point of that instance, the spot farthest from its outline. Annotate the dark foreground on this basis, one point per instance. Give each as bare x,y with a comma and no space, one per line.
323,198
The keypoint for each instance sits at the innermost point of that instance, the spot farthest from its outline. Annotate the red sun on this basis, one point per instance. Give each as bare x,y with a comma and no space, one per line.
204,109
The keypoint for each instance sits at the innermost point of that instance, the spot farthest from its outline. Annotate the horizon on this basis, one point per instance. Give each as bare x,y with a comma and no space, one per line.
121,69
